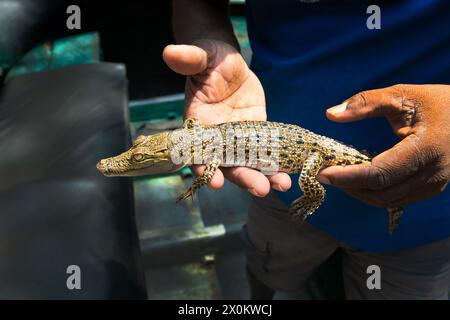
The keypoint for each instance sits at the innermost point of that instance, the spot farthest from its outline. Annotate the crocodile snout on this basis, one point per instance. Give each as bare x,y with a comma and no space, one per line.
104,167
115,166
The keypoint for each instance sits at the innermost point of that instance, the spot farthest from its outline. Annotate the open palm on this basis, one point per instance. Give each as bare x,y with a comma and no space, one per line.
221,88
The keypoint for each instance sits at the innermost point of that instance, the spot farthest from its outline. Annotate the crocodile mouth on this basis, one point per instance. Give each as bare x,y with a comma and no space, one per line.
109,168
121,168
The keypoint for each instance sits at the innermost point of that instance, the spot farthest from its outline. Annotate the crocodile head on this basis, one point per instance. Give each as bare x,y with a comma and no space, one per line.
148,155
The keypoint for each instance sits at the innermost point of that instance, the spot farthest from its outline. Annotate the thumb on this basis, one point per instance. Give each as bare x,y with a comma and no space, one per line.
185,59
371,103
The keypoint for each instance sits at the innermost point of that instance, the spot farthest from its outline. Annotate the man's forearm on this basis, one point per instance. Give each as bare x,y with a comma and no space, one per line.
202,19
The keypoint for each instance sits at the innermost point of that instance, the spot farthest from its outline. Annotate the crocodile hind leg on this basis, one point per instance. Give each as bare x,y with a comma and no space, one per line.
202,180
394,218
313,191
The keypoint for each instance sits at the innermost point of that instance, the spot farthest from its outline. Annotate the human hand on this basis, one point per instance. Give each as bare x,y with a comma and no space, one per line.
416,168
221,88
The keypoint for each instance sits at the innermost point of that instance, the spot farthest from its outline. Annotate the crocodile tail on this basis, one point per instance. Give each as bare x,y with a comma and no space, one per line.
394,218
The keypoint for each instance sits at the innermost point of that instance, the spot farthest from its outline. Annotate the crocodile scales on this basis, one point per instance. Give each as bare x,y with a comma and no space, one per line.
287,148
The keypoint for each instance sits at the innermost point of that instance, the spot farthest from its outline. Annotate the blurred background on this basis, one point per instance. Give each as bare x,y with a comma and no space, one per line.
71,97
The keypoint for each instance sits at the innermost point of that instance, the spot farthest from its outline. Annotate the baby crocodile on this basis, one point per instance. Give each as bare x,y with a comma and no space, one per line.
262,145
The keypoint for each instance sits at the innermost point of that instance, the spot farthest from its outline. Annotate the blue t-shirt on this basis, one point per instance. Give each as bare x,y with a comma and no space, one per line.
310,56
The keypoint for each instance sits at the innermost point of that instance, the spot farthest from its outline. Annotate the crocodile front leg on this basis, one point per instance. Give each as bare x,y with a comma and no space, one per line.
202,180
313,191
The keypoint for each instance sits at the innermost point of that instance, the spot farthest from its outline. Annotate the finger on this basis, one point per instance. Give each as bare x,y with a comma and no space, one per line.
378,199
389,168
216,181
280,181
371,103
345,177
419,187
198,169
420,195
185,59
254,181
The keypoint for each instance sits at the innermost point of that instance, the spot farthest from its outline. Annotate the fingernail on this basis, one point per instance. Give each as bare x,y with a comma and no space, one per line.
323,179
278,187
253,192
338,109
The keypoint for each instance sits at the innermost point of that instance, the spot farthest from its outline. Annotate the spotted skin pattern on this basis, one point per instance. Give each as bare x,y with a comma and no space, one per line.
299,151
266,146
202,180
313,191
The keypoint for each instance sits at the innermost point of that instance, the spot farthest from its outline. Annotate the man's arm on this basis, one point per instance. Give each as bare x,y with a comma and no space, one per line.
199,19
220,87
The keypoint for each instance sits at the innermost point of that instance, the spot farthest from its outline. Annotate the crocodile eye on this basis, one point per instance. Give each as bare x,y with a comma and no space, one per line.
138,157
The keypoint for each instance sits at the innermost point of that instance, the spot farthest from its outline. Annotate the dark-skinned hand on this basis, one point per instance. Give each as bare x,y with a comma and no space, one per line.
220,87
416,168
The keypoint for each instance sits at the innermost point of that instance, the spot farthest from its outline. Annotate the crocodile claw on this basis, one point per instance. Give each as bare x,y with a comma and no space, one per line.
185,195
